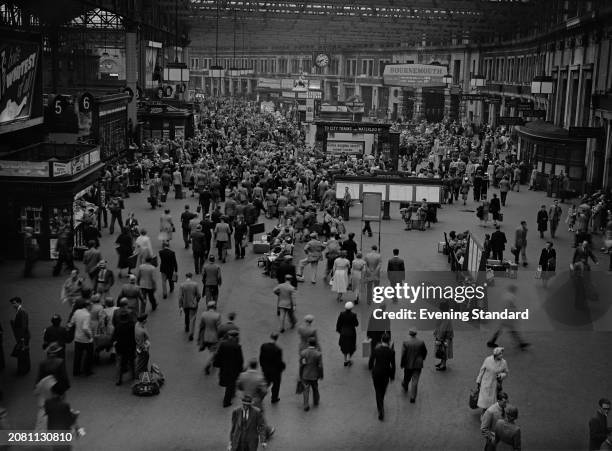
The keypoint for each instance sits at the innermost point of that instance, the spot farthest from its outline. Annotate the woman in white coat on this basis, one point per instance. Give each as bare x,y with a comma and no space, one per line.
493,371
166,227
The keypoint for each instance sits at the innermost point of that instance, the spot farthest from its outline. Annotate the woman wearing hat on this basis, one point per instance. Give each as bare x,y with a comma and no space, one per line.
493,371
346,326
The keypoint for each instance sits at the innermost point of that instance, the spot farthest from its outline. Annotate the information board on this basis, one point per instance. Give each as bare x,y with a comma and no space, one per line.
346,147
401,193
375,188
414,75
353,190
371,206
429,193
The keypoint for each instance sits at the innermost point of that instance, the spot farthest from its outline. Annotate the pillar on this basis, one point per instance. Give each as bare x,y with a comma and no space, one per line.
231,86
131,73
447,103
418,103
221,85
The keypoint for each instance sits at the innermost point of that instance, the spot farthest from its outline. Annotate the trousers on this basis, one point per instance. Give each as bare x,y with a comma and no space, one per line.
83,358
380,387
411,378
315,392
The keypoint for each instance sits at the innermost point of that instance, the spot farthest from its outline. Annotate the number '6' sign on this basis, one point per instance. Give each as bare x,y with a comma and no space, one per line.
86,103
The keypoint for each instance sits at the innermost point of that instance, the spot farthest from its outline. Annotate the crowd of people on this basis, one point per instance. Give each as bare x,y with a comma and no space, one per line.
241,165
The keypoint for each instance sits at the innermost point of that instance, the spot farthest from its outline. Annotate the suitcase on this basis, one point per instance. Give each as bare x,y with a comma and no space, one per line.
441,246
261,247
366,348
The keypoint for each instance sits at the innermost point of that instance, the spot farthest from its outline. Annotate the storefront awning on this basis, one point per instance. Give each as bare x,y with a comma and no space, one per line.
545,131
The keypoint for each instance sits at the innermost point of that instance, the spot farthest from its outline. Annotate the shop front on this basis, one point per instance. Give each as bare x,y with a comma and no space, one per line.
45,187
161,121
553,152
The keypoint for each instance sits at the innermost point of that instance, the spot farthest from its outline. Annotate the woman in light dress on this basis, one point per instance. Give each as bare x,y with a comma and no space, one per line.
340,271
493,371
166,227
357,275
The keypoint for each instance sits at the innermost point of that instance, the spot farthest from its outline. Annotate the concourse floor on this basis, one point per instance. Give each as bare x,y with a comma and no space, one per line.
555,384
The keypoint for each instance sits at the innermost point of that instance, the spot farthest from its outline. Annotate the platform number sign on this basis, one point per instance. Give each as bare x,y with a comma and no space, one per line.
59,105
86,103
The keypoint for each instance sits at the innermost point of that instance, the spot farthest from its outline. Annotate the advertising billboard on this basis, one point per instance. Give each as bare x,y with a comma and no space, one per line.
20,81
414,75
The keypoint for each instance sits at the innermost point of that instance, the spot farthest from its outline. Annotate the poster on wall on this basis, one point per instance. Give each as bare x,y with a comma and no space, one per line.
20,80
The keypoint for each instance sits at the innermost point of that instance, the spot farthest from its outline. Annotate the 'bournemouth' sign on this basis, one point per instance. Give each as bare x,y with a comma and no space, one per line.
414,75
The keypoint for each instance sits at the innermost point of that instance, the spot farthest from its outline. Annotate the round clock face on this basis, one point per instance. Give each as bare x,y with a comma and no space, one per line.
322,60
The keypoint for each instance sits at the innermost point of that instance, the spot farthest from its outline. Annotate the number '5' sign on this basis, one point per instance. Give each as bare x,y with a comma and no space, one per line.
59,105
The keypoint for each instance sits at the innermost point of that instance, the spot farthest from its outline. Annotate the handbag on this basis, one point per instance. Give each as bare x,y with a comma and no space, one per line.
474,393
441,351
145,386
18,349
299,387
175,277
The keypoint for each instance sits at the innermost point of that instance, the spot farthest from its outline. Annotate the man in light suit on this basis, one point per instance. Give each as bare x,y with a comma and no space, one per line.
145,278
396,271
272,365
248,427
208,335
189,297
91,257
285,305
311,370
414,352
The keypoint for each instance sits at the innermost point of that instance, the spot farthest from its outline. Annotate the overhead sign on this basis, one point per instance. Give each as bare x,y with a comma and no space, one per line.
19,67
355,105
534,113
286,83
510,120
345,147
334,109
414,75
268,83
474,97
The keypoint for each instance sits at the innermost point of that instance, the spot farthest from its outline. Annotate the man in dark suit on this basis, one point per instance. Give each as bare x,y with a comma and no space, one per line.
272,365
167,267
598,425
21,331
382,365
230,362
248,427
211,279
414,353
199,248
396,271
498,243
350,247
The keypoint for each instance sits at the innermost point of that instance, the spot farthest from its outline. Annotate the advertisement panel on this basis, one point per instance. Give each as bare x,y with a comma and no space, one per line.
24,169
268,83
20,80
414,75
287,83
346,147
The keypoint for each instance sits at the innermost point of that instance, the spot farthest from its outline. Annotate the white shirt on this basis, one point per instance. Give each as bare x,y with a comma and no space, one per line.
82,331
144,242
